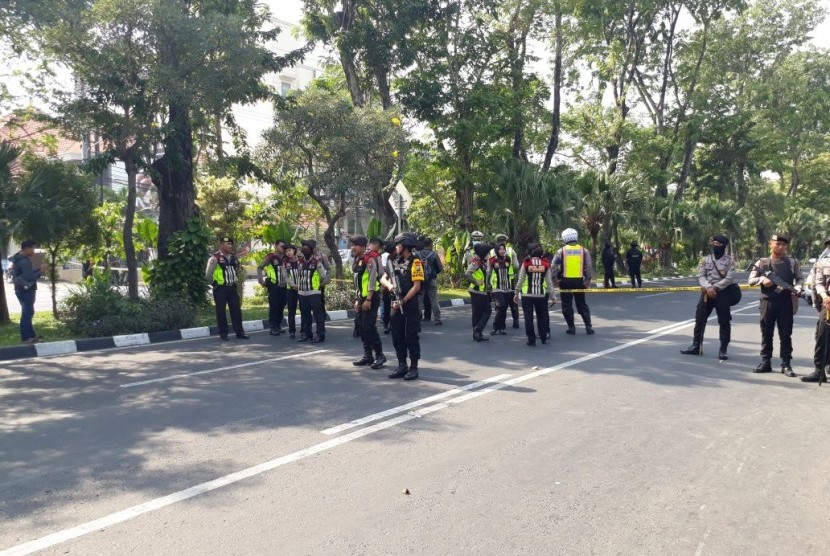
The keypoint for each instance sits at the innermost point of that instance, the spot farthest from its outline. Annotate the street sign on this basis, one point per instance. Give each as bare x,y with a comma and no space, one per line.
400,199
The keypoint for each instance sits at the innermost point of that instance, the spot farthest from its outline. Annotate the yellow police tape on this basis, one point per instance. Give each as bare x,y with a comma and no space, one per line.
639,290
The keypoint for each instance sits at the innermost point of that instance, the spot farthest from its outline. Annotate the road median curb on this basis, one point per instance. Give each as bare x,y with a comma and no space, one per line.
64,347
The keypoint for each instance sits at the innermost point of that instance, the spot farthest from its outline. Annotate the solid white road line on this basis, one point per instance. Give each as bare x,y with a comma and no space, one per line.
417,403
158,503
209,371
652,295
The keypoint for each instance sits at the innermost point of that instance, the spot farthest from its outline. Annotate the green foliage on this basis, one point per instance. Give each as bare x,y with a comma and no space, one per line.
222,205
374,229
272,233
182,275
148,231
96,308
454,244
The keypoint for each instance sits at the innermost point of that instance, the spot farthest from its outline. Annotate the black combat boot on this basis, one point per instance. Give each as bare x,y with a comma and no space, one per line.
589,329
763,367
693,349
379,361
479,337
319,339
363,361
722,353
413,371
400,371
571,330
786,368
815,376
531,340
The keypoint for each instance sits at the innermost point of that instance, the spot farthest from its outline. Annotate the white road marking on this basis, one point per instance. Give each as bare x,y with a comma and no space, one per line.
417,403
209,371
652,295
164,501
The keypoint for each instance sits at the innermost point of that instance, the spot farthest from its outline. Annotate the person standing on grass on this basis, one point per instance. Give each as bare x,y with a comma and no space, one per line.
25,287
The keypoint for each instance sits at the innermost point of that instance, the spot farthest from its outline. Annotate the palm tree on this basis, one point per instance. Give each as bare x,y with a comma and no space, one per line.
522,195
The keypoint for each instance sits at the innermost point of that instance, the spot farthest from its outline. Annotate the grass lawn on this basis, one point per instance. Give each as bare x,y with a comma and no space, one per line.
253,308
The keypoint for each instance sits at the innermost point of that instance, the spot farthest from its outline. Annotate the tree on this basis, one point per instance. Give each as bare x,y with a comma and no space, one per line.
59,217
199,57
523,195
337,151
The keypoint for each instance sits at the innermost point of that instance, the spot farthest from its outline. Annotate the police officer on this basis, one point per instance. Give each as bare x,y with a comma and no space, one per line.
634,260
514,269
310,277
501,285
716,273
479,289
572,268
535,285
366,273
271,275
821,279
476,237
403,278
778,305
291,273
386,300
816,300
608,258
222,271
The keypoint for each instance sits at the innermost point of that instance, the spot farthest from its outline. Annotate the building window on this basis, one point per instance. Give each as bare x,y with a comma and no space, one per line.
284,88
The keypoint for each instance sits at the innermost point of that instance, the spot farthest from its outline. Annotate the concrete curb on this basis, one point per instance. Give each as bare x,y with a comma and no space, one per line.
64,347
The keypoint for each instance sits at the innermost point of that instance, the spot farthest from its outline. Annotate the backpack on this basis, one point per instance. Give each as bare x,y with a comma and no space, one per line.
431,264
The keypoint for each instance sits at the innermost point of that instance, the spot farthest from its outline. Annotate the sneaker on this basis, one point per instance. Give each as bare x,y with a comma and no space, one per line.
363,361
292,335
242,337
411,374
379,362
438,323
571,330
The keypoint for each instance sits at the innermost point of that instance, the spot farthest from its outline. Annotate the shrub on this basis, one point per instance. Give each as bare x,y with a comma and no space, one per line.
97,309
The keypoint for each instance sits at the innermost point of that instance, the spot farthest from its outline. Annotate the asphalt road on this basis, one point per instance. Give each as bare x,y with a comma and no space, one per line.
606,444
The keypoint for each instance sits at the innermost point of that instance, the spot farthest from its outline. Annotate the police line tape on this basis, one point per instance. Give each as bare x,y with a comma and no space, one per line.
650,290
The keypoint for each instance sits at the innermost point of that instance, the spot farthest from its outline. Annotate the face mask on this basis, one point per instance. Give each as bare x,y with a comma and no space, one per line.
718,251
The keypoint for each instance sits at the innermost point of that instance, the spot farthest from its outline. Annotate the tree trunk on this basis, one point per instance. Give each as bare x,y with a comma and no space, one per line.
682,179
129,219
331,243
174,177
553,142
795,179
53,279
464,198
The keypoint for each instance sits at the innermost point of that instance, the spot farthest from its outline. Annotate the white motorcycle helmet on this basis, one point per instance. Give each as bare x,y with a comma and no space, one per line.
570,235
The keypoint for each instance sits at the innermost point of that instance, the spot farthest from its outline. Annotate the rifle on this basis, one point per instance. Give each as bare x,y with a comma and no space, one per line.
780,284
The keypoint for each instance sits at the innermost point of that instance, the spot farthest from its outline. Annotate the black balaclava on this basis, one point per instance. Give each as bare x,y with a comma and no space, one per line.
719,251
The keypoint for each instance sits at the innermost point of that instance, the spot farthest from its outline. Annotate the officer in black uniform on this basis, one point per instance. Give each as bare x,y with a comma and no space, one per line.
366,272
403,278
222,271
634,260
777,304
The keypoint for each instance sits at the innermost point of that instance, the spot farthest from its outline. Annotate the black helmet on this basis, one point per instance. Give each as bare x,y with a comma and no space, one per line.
407,240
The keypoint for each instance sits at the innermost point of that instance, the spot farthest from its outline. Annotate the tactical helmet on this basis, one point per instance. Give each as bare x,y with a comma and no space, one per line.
407,240
477,235
569,235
